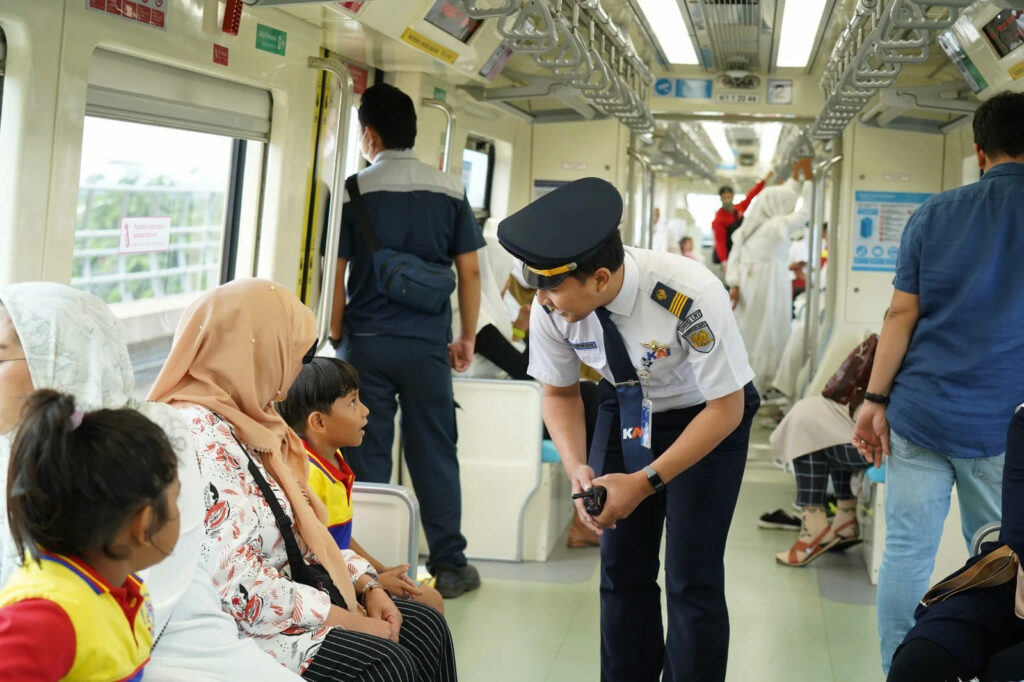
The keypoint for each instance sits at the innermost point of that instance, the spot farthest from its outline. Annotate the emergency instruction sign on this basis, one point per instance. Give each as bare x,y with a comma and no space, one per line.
879,219
145,234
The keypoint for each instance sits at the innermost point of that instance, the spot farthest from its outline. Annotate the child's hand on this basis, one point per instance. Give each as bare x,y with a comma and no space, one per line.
397,582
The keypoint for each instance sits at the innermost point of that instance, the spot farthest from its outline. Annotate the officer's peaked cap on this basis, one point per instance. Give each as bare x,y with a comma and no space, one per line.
565,226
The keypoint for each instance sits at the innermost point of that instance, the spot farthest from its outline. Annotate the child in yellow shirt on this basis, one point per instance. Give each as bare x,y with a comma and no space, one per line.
91,498
323,408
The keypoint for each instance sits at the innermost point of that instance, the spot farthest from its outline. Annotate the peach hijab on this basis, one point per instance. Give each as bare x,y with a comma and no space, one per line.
237,349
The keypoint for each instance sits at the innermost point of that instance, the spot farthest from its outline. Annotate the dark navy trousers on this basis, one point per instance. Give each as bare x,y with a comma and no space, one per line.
695,509
418,374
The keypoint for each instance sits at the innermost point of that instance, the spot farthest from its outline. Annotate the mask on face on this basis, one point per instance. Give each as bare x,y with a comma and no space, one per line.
363,145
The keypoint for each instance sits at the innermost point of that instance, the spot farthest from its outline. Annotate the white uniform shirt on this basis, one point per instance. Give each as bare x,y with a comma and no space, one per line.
691,360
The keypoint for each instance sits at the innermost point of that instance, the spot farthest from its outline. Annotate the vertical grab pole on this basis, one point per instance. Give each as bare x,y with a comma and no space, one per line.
330,269
812,318
630,201
449,129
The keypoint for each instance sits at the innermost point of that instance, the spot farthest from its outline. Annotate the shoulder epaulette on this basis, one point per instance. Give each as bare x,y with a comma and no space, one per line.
671,300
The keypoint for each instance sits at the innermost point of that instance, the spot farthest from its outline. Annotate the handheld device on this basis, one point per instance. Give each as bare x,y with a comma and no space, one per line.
593,499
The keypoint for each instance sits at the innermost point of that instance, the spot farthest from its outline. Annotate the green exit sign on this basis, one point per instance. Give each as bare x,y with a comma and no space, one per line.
270,39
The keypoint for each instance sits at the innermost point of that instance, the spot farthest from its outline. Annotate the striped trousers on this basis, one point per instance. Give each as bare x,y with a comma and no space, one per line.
424,652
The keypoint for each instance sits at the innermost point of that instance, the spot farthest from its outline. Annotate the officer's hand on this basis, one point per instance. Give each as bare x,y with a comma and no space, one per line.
734,296
581,479
460,354
625,492
871,433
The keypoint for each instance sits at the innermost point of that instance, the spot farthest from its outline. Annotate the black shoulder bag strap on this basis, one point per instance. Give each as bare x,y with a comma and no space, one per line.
300,570
355,198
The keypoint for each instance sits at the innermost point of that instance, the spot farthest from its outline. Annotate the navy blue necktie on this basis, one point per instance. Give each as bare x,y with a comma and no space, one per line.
630,392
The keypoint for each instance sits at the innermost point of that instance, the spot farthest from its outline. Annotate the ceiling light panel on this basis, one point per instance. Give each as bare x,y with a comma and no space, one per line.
666,22
800,21
716,132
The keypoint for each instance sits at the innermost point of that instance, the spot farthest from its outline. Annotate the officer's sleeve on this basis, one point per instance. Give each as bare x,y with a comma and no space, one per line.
552,359
908,261
715,348
468,235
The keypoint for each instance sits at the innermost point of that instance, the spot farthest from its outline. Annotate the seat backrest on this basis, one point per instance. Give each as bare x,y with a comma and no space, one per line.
500,432
386,521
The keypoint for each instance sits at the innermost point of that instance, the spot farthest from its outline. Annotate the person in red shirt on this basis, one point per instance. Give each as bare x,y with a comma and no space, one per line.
728,216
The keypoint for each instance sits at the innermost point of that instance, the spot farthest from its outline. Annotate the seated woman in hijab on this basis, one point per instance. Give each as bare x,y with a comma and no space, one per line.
53,336
758,273
318,611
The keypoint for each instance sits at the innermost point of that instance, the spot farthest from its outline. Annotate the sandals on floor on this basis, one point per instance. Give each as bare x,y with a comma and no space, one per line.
842,541
803,553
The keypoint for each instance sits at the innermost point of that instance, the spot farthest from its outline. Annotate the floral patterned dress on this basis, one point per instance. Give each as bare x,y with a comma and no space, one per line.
245,554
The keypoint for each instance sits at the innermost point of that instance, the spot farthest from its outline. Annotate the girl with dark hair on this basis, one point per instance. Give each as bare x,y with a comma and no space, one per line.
91,499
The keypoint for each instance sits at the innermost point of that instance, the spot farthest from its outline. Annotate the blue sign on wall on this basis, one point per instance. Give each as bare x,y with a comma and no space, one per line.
684,88
879,219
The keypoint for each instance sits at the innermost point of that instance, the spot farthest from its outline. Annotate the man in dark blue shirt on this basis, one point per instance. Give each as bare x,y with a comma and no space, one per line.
401,351
948,371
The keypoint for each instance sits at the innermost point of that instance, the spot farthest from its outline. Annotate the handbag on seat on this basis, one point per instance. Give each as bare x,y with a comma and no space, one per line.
848,384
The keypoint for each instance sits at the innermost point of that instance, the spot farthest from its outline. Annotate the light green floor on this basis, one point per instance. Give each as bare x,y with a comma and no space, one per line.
534,628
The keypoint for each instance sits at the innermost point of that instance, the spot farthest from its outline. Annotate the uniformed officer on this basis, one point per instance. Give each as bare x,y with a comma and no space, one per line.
671,438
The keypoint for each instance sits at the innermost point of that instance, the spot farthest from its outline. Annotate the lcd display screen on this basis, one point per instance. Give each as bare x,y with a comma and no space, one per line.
1006,31
451,17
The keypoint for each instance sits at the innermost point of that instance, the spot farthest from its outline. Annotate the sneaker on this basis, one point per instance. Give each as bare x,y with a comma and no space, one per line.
779,520
453,581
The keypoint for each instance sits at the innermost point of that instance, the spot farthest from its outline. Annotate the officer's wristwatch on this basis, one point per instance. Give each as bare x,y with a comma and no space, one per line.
876,398
654,479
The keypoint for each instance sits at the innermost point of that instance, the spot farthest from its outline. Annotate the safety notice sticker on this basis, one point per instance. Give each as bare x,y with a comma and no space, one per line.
878,222
149,12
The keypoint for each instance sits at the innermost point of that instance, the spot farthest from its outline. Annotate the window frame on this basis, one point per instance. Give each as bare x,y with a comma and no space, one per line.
481,144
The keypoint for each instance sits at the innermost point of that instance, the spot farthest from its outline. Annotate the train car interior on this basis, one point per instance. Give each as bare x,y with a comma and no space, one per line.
152,150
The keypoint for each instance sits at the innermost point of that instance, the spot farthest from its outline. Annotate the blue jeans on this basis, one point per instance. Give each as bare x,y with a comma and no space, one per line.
918,484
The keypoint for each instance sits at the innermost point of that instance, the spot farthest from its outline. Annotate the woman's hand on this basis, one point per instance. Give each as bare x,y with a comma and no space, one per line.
379,606
356,622
397,582
871,433
734,296
625,492
582,478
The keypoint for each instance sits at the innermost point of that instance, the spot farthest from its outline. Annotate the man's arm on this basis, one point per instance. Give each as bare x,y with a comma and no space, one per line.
562,409
338,306
467,265
871,434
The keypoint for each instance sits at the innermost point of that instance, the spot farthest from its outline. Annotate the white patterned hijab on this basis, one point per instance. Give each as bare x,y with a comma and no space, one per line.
75,345
72,343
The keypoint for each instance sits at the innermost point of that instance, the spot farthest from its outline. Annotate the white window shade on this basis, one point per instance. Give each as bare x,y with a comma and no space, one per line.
130,89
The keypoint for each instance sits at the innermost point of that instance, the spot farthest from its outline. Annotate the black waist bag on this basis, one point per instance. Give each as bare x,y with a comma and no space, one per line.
402,277
313,575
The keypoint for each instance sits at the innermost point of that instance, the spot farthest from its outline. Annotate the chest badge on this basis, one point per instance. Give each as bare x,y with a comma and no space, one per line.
654,351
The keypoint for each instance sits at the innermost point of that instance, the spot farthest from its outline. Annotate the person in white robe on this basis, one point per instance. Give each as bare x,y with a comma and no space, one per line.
758,274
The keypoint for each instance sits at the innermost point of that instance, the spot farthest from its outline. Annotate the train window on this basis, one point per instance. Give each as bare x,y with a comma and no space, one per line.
478,175
169,191
180,179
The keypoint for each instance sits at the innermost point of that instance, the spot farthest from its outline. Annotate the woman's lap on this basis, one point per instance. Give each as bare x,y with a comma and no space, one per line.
424,651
